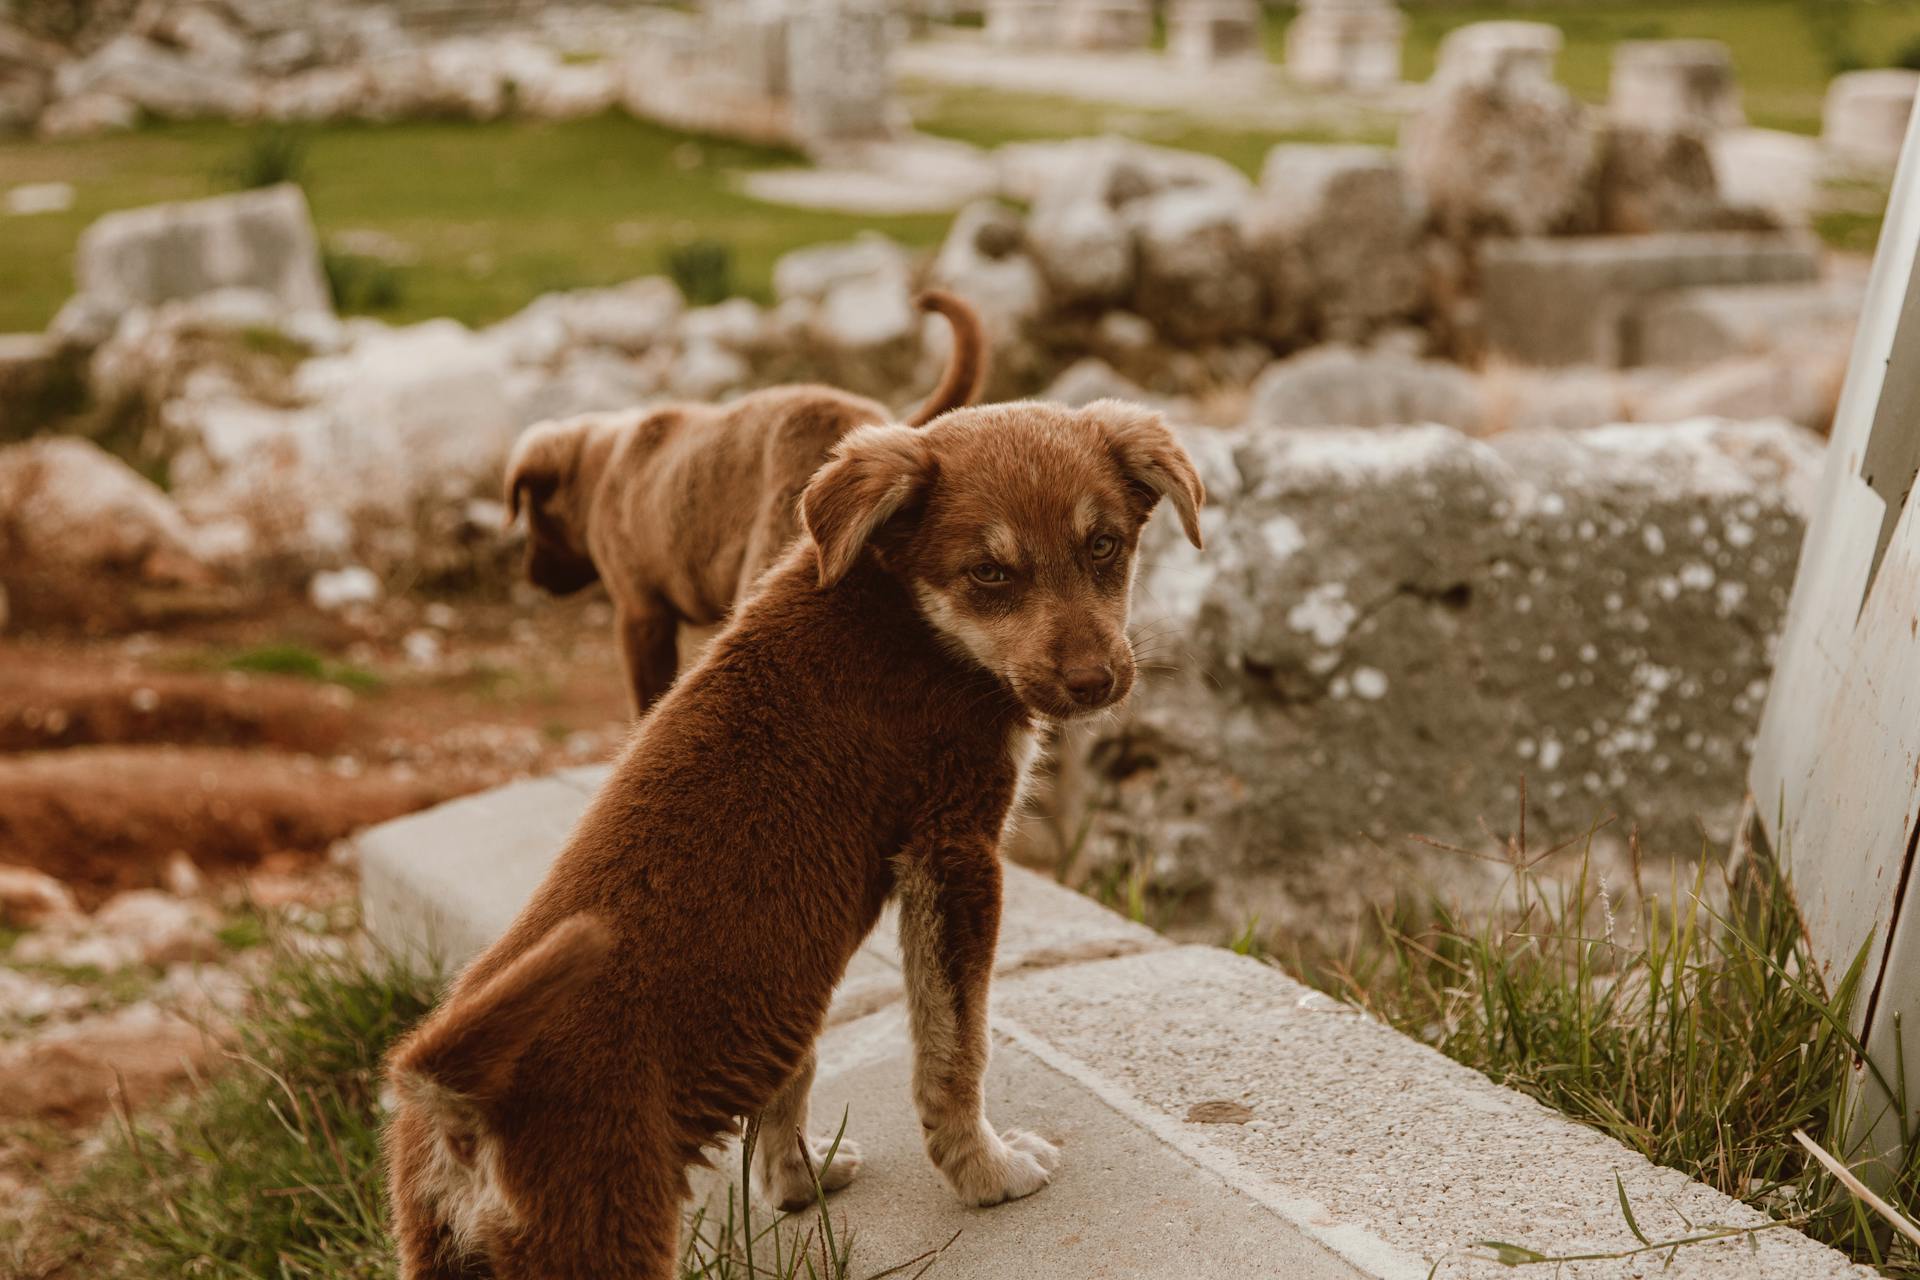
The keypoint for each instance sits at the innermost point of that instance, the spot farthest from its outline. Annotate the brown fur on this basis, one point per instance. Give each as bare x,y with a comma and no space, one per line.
859,731
679,509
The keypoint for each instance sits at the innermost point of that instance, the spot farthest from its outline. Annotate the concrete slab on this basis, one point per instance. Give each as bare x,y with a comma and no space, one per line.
440,885
1214,1118
1124,1204
1388,1153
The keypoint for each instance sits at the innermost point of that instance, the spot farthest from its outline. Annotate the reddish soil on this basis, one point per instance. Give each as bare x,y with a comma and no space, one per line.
115,753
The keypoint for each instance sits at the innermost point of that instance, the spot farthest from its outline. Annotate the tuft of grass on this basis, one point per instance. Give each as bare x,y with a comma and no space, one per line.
703,269
1690,1024
303,663
273,1168
362,285
267,158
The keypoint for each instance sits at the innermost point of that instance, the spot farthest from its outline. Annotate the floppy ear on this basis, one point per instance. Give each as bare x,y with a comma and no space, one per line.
873,473
543,459
1152,459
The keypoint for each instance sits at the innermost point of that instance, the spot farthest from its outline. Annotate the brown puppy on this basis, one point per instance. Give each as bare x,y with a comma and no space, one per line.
679,509
860,730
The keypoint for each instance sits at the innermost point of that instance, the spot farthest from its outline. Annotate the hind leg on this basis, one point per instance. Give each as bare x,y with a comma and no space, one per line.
425,1246
783,1172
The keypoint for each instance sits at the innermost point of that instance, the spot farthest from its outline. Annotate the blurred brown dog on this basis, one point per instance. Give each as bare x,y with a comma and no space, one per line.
860,731
679,509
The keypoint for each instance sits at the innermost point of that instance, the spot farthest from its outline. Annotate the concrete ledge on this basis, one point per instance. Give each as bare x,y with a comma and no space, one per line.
1214,1117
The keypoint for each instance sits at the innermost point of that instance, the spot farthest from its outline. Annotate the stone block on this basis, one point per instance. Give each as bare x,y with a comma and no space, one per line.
1106,24
1346,44
1498,52
1201,33
1023,24
262,240
1692,327
1675,84
1553,301
1866,115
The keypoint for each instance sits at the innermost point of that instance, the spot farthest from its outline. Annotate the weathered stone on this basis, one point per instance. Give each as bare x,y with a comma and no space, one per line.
204,32
161,80
130,1057
1866,115
30,899
1197,281
984,260
868,315
1345,44
1661,180
629,318
1338,230
323,93
1090,379
1664,85
1023,24
26,77
79,527
1084,248
1108,168
1201,33
1522,399
256,240
1801,386
571,92
1591,609
706,371
1500,52
817,270
39,381
1336,386
737,324
837,67
1691,327
1501,153
1106,24
87,114
1565,301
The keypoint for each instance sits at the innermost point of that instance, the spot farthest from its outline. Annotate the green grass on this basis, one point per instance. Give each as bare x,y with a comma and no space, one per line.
273,1167
1698,1035
299,661
492,215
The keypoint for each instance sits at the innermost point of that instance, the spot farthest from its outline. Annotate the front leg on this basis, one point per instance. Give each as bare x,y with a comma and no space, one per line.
648,645
949,923
787,1160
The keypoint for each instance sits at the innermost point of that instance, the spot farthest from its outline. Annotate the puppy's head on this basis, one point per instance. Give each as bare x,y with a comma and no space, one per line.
549,477
1015,528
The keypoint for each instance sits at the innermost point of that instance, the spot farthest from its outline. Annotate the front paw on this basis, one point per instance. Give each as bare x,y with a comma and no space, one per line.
986,1168
788,1184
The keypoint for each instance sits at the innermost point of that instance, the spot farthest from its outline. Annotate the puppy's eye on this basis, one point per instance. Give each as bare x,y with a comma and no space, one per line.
1104,546
988,573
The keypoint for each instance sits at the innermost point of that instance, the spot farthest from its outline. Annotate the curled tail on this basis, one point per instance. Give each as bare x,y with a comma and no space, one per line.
967,367
464,1055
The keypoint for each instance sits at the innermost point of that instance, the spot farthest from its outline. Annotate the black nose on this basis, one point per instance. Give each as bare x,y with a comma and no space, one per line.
1088,685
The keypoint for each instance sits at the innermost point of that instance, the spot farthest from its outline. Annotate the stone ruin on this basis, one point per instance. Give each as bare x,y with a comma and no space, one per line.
1346,44
809,74
1203,32
1492,423
1867,113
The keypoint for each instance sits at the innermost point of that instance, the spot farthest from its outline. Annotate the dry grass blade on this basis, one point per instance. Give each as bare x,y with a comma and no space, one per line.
1847,1178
